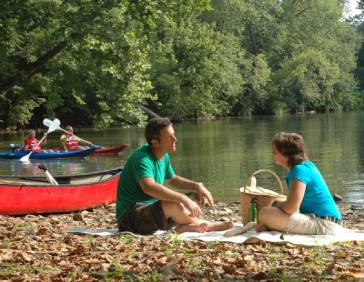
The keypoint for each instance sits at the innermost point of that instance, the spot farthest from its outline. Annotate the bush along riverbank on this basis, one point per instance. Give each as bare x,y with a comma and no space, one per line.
38,248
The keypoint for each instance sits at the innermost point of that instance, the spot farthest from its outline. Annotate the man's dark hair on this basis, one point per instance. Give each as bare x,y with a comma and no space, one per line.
153,128
290,145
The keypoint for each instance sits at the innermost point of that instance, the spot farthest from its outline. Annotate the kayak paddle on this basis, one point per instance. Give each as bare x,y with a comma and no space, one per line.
52,127
47,122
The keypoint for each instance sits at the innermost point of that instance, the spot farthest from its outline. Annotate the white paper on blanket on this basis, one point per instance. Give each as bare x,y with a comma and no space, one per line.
276,237
98,232
106,232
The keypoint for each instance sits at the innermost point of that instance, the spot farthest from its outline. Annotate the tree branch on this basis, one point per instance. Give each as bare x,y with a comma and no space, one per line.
30,69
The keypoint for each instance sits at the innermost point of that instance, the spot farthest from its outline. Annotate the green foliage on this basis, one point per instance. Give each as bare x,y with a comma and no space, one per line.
94,62
308,80
256,89
317,59
192,79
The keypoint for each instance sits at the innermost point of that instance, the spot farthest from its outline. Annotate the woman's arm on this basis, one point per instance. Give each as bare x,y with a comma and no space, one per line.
295,197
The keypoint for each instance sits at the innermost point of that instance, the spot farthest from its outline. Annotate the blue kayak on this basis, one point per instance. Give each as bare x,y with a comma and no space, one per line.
47,155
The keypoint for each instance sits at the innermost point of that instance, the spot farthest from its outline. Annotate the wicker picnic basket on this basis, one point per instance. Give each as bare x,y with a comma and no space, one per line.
263,196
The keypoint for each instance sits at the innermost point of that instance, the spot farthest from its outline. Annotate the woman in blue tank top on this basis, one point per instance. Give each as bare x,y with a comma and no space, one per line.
310,207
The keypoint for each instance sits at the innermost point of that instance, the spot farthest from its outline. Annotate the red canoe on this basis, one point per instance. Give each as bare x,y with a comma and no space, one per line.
34,195
115,149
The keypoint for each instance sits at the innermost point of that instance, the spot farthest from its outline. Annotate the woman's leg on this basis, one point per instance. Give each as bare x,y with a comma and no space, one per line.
272,218
297,223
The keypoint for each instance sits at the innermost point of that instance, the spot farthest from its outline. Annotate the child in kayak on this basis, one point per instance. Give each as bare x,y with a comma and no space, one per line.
31,143
71,142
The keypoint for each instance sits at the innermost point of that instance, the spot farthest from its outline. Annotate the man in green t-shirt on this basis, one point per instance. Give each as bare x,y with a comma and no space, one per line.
145,204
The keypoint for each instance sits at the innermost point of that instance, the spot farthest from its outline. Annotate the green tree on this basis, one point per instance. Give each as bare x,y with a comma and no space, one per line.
308,82
83,56
313,26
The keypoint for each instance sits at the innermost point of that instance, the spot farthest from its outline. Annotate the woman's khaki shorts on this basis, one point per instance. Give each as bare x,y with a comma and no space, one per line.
309,224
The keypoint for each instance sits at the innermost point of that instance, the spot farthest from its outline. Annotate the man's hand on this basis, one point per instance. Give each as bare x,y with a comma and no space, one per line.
204,195
191,206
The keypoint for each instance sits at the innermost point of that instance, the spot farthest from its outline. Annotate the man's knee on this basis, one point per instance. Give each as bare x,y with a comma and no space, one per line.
172,208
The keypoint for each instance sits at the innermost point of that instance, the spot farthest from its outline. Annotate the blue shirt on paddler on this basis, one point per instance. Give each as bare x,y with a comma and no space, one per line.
140,164
317,199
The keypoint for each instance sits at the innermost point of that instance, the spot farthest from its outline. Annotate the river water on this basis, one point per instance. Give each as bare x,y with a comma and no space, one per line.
223,153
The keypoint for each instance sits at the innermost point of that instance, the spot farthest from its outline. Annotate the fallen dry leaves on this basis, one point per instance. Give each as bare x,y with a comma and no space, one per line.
37,248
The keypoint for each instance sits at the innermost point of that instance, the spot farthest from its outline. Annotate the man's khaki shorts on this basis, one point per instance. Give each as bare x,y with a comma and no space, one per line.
145,219
310,225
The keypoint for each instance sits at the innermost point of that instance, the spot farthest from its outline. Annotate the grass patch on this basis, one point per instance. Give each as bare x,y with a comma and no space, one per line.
274,254
118,273
316,257
6,244
175,238
154,277
8,269
127,239
168,250
278,274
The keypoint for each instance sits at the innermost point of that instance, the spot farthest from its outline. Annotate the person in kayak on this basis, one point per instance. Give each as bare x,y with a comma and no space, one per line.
71,142
31,143
145,204
310,208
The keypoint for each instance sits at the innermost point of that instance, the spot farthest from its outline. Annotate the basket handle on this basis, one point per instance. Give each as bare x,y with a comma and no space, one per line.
281,187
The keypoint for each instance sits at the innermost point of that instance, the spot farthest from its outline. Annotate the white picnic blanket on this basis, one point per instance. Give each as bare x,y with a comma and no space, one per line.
248,237
276,237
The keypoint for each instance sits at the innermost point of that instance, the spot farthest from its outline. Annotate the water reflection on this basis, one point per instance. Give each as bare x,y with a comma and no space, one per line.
223,153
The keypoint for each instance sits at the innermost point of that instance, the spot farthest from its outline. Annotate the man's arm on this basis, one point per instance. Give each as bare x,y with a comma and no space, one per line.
160,192
84,142
187,185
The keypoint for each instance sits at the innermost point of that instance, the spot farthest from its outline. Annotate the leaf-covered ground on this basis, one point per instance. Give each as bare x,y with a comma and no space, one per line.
37,248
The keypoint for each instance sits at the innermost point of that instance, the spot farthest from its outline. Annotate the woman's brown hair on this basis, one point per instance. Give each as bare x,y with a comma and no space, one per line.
290,145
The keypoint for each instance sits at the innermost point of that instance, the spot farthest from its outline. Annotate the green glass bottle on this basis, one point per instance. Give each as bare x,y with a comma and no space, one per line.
253,212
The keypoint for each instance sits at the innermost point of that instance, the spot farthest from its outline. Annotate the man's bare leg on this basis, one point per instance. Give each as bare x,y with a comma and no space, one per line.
185,223
199,228
218,225
179,214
